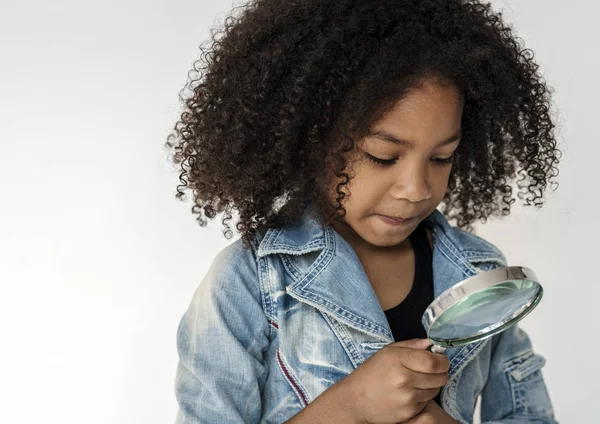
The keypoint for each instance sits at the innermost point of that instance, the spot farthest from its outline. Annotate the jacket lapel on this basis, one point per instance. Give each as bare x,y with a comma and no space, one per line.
336,284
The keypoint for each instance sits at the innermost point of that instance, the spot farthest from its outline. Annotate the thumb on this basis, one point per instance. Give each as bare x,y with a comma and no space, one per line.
419,344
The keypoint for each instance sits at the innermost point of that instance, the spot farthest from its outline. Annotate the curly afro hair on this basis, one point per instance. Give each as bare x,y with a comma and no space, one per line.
287,88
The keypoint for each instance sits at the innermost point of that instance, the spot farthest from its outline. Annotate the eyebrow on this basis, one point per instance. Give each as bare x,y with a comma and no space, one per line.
411,144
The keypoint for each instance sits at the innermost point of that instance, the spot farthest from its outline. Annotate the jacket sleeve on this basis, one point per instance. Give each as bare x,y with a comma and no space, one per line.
221,339
515,392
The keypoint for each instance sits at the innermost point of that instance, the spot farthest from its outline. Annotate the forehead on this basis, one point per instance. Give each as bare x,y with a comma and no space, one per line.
430,114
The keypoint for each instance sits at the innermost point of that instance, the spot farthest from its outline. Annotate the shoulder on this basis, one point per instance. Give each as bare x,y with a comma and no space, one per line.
472,243
471,246
229,302
232,277
234,259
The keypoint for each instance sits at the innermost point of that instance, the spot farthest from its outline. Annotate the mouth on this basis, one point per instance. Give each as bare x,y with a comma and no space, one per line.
399,220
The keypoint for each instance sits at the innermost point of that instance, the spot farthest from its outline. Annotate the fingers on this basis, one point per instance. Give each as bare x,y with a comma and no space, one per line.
425,395
423,361
425,381
428,381
419,344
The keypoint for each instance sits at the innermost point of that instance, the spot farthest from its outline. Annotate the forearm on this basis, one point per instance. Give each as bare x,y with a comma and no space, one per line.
333,406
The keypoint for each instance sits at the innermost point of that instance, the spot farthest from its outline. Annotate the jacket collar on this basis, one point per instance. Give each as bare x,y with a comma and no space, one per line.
309,235
336,283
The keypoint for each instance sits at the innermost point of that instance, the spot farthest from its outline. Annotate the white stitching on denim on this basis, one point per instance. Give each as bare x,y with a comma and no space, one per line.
292,380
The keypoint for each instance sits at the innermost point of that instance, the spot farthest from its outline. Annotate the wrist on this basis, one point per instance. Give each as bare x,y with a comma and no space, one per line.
333,406
433,413
342,395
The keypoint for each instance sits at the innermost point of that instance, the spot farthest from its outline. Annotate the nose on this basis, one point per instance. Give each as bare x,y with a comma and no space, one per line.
412,184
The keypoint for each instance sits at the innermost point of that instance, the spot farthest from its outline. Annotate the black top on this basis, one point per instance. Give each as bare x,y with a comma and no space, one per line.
405,318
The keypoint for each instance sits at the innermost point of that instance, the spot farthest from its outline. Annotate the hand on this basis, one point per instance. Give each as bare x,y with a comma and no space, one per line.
432,414
396,383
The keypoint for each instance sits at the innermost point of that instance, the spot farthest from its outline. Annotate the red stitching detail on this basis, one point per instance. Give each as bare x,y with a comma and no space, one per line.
274,324
289,377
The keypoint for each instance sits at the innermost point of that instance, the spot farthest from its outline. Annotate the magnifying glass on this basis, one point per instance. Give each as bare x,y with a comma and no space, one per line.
481,306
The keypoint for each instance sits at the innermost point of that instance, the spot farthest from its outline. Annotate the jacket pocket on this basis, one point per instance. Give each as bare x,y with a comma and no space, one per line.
529,393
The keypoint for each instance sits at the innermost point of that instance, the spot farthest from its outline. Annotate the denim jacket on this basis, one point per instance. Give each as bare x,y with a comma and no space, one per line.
270,328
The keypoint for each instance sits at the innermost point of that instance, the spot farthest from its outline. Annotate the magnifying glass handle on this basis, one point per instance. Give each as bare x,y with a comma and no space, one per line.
437,349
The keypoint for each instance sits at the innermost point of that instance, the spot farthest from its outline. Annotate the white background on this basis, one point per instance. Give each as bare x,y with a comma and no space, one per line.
98,261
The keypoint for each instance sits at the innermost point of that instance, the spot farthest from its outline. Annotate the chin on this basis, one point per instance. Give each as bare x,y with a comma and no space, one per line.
385,240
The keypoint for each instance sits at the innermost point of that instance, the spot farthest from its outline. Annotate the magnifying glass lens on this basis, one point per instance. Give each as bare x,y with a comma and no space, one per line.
485,312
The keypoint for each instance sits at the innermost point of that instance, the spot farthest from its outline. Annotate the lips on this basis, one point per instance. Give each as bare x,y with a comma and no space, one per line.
400,218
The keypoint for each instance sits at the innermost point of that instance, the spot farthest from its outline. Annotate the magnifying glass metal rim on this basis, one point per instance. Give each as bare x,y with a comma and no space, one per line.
472,285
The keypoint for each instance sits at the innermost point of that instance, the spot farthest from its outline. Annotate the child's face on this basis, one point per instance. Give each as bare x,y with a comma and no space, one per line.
413,180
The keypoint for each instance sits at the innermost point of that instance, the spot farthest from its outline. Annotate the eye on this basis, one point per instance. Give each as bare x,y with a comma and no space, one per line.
379,161
444,161
388,162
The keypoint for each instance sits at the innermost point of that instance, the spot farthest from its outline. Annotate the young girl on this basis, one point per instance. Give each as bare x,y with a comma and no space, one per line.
334,130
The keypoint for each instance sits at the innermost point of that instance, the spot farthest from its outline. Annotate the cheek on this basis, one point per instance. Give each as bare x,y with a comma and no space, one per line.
439,183
366,186
362,192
